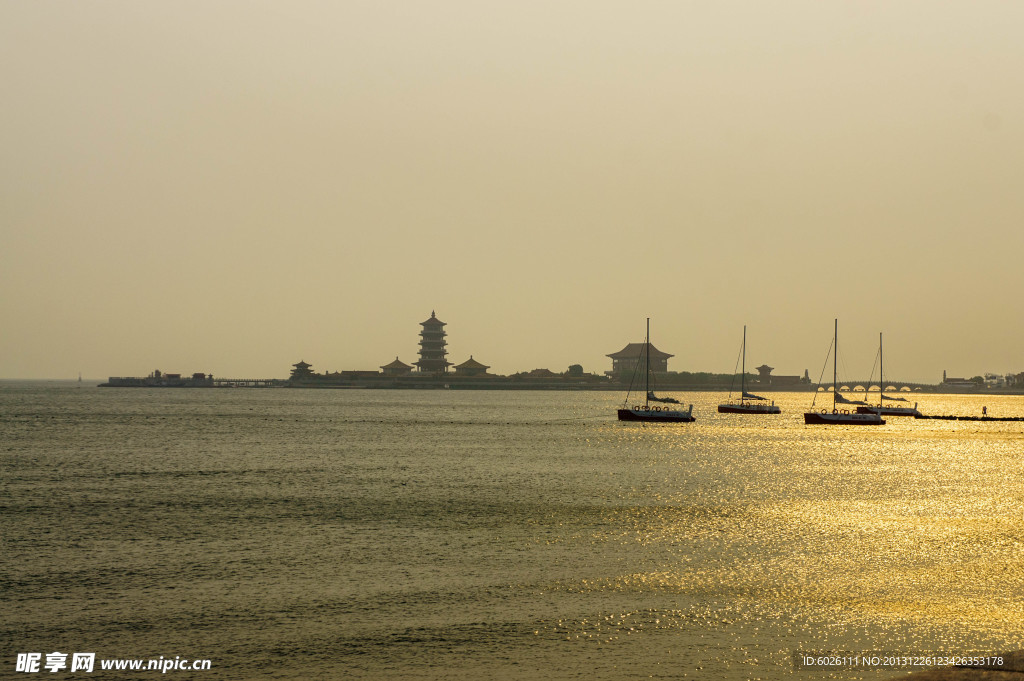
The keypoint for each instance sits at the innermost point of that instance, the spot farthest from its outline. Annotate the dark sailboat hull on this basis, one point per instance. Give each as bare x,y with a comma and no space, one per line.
748,409
656,416
889,411
839,418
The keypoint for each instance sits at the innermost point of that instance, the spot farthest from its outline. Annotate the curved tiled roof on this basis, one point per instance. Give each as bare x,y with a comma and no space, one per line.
635,350
433,321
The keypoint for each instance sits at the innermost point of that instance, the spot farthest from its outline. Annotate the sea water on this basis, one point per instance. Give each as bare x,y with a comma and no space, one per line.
377,534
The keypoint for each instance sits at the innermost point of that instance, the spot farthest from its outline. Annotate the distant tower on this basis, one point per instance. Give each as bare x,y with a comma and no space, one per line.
432,344
301,372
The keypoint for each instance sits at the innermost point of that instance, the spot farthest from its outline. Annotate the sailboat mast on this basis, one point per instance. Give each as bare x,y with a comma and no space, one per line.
647,363
743,367
835,361
881,379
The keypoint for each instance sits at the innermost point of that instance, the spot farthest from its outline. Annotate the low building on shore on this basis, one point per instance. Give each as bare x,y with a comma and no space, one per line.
396,368
629,359
471,367
160,379
959,384
765,377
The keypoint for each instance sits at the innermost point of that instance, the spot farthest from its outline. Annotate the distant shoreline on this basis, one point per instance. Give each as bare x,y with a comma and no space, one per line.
463,383
470,384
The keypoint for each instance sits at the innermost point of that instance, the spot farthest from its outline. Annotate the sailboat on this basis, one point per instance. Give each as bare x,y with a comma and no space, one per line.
881,409
748,403
646,412
839,416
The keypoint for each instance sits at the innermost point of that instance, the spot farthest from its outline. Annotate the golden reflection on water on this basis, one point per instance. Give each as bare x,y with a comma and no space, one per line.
913,524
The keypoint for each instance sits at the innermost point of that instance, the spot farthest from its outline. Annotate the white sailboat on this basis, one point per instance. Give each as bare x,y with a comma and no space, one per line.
882,409
748,402
646,412
839,416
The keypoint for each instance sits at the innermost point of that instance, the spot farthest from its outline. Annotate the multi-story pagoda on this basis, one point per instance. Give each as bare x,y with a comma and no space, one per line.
432,346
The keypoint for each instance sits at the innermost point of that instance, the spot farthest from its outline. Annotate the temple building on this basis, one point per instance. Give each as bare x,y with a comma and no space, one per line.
396,368
432,346
301,372
625,361
765,377
471,367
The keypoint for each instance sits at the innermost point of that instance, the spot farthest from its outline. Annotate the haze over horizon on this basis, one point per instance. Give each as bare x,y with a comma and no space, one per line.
232,187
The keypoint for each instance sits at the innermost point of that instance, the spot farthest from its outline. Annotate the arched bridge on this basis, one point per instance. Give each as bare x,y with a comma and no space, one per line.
872,386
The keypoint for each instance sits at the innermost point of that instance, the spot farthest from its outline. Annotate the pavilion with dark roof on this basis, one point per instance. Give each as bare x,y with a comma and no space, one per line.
396,368
471,367
625,361
301,371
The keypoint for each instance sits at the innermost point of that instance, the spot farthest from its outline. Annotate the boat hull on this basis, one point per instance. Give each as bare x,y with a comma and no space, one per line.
657,416
889,411
834,418
748,409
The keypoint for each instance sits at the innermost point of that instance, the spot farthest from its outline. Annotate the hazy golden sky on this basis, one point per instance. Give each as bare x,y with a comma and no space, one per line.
234,186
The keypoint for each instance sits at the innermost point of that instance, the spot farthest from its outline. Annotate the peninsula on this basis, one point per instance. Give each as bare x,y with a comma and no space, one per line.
433,370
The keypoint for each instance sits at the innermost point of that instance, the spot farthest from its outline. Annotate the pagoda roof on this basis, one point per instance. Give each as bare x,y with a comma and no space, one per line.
396,365
302,364
471,364
433,321
635,351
